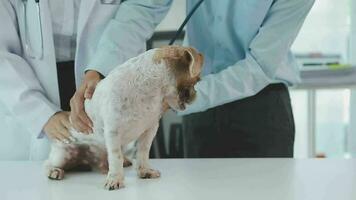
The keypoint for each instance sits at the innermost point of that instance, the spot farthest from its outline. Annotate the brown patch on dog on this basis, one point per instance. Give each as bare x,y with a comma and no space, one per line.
185,63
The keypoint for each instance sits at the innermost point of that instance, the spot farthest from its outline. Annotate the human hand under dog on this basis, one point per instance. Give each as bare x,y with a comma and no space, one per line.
57,127
79,119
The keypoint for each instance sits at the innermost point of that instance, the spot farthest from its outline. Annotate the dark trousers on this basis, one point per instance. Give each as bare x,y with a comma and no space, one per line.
66,83
257,126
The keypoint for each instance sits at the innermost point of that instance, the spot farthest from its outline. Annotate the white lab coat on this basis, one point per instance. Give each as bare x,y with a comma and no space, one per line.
29,83
28,79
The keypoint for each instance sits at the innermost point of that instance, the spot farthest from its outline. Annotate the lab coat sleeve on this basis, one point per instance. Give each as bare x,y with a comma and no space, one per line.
20,90
126,34
268,51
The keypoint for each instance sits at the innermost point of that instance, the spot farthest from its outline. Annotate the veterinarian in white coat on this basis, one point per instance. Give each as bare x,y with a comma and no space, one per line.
36,35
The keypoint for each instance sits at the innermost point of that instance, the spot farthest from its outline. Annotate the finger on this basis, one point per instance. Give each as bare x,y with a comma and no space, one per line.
66,123
79,118
72,139
68,126
79,125
77,102
78,122
63,131
82,88
84,117
57,136
78,111
64,135
63,139
51,136
77,97
89,91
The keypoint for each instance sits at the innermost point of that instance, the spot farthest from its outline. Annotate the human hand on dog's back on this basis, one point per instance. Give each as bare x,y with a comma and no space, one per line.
79,119
57,127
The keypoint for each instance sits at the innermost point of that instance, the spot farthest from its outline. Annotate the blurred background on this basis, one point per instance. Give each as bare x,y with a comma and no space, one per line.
324,103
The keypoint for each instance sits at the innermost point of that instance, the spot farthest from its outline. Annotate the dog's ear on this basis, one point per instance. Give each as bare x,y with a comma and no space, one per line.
181,59
190,57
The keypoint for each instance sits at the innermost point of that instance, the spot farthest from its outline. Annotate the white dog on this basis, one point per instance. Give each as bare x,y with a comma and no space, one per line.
126,106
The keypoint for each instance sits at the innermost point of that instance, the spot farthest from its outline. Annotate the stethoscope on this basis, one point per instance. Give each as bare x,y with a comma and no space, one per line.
39,53
190,14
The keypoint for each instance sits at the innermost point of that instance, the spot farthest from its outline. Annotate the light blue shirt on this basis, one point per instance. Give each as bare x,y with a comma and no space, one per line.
246,44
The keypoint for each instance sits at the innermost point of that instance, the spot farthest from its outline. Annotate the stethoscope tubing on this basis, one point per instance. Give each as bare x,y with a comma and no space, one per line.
32,54
179,31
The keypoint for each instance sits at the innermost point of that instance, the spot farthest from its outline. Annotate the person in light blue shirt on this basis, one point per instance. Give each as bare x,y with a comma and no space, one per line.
243,107
247,68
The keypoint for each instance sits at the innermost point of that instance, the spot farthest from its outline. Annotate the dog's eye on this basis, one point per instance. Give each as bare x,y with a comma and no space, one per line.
185,93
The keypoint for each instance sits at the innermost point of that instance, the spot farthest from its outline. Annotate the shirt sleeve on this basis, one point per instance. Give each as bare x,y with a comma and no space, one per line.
20,91
126,34
269,49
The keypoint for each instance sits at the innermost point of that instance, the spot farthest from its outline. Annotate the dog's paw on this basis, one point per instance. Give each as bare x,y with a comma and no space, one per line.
113,182
148,173
56,174
127,162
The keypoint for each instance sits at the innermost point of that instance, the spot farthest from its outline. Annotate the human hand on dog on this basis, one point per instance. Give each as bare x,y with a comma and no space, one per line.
79,119
57,127
165,106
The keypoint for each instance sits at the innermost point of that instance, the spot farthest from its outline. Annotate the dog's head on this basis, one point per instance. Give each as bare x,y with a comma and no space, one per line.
184,65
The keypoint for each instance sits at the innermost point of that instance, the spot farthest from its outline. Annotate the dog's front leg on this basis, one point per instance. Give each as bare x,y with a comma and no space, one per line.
115,177
143,149
59,158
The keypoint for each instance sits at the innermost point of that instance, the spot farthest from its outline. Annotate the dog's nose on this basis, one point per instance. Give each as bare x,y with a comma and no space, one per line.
182,106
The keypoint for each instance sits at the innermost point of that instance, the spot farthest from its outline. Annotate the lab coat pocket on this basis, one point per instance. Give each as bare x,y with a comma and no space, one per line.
110,2
31,29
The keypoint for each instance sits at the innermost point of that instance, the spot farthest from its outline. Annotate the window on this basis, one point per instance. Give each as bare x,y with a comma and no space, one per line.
322,115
